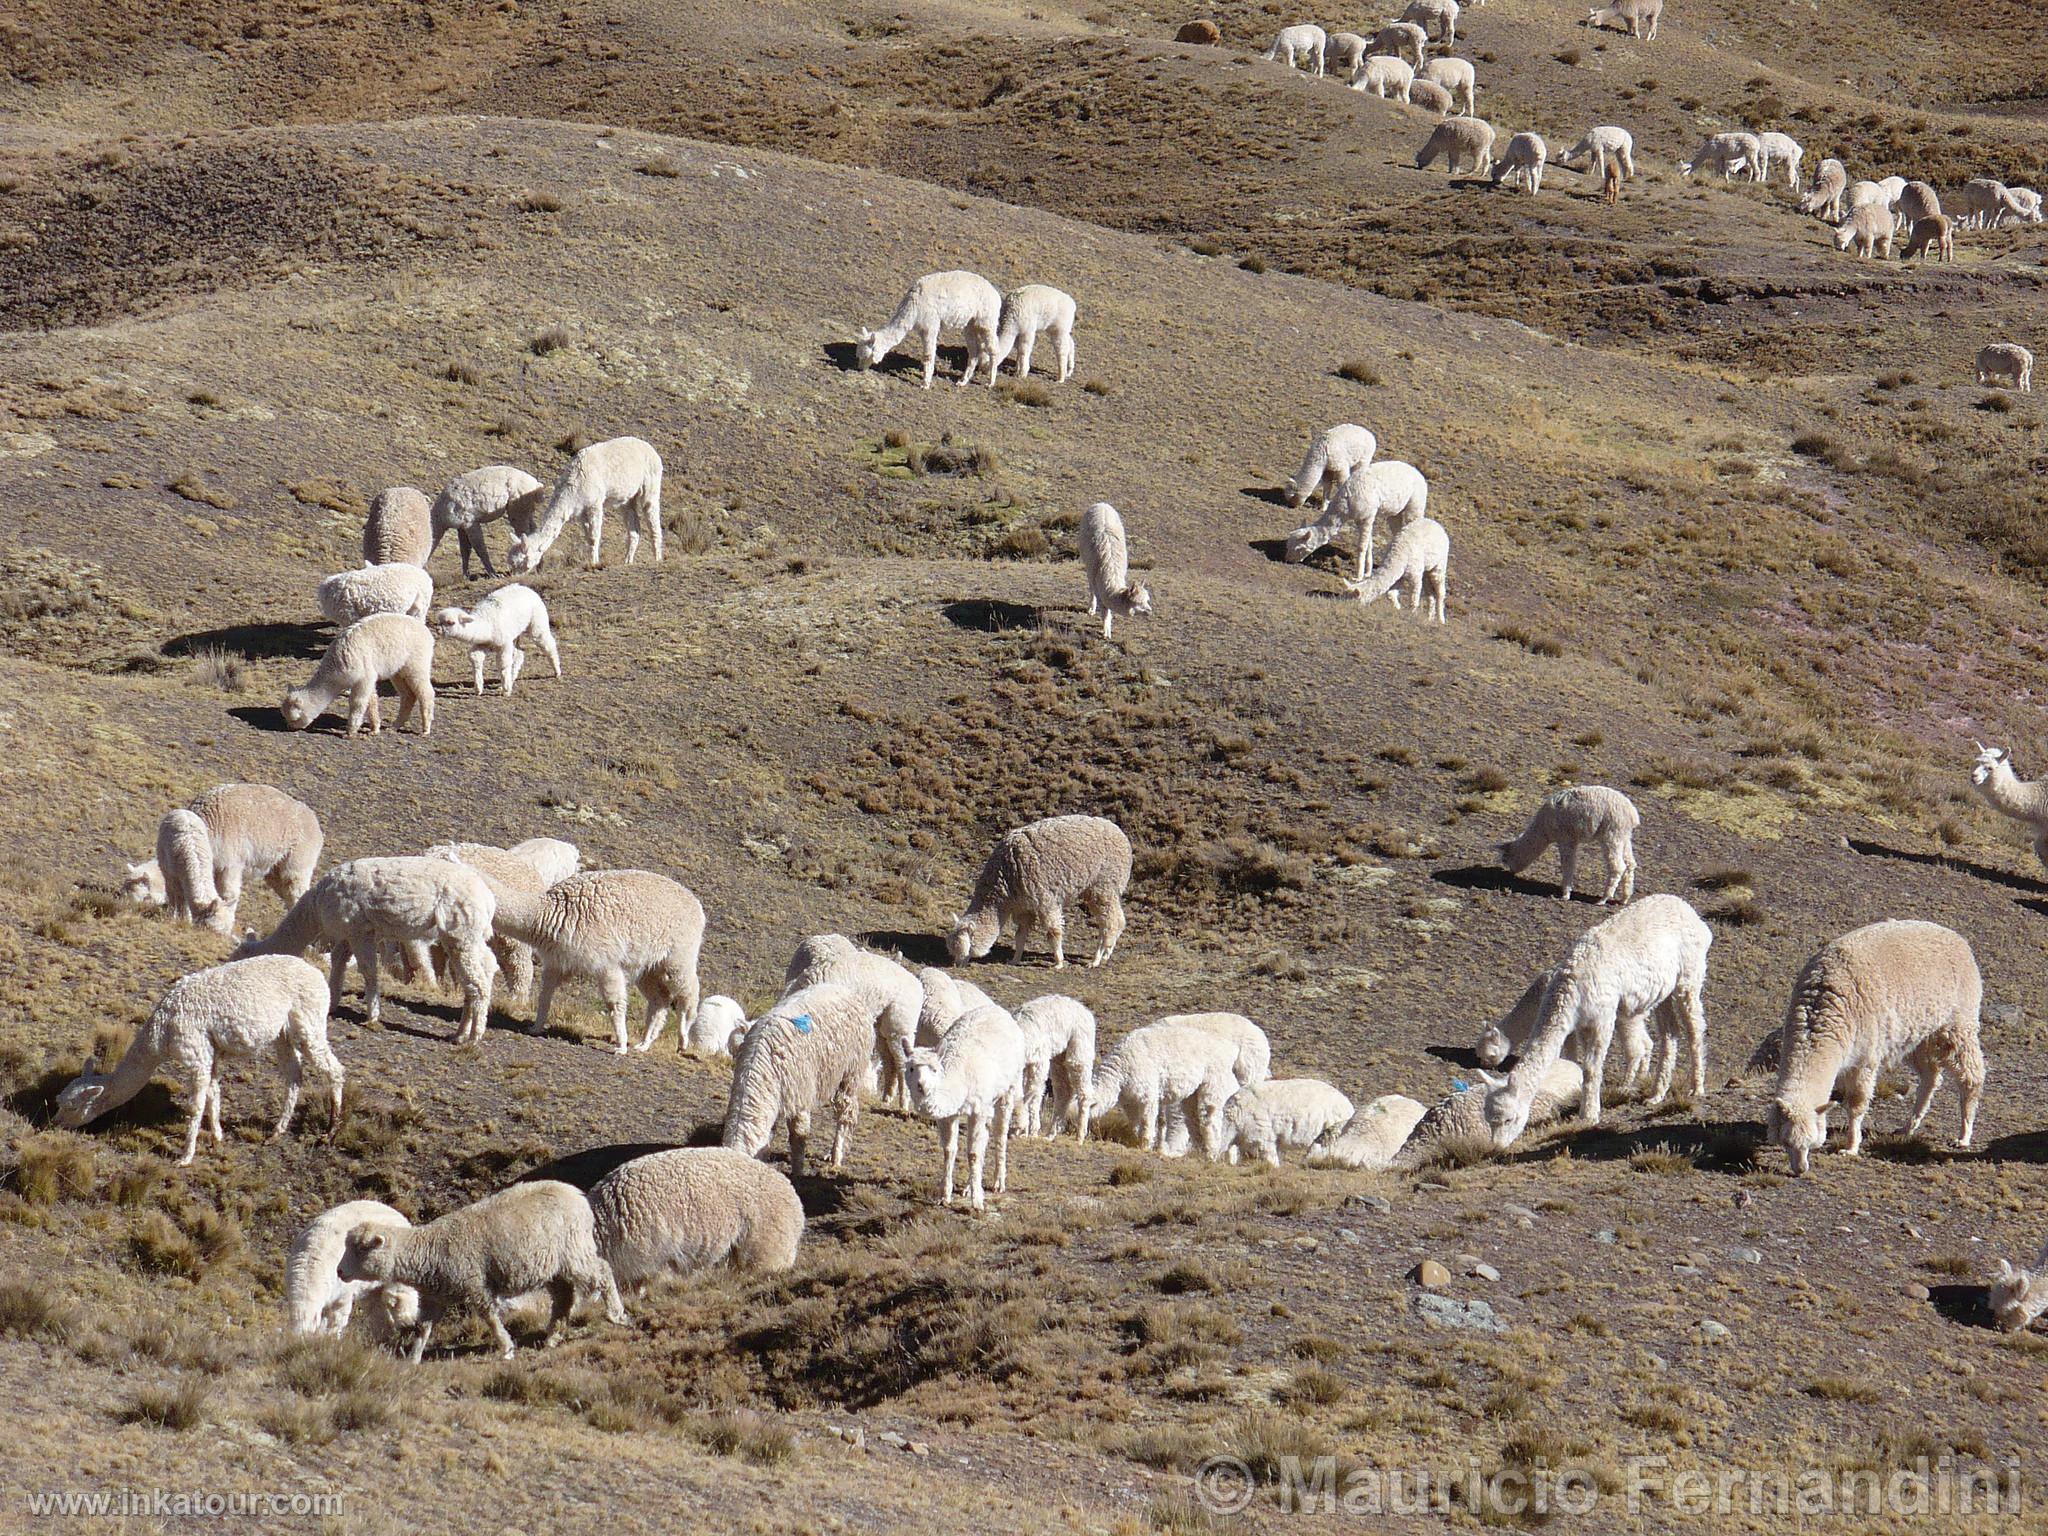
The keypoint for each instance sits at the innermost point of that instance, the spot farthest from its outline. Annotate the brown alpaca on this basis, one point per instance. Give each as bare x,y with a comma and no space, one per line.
1610,184
1935,233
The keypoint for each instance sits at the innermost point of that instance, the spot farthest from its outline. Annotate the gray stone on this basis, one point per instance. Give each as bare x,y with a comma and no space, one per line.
1346,1234
1917,1291
1712,1331
890,1438
1450,1312
1685,1269
2003,1013
1378,1203
1605,1235
1745,1256
1519,1212
919,1448
1485,1271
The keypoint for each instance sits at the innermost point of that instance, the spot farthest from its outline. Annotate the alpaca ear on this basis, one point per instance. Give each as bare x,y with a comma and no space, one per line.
2005,1270
1492,1080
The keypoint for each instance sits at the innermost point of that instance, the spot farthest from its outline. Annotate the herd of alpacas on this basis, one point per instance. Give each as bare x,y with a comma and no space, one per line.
851,1022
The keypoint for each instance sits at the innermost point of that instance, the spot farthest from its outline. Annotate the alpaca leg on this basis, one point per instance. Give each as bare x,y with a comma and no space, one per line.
615,1000
561,1302
1033,1102
1056,926
799,1142
1024,354
1857,1090
1927,1066
506,1348
1695,1013
931,354
227,885
1969,1064
476,667
200,1086
950,1138
845,1116
1108,621
359,706
974,1198
544,998
373,996
510,662
1667,1055
1106,909
1148,1121
656,998
476,971
1023,930
1005,1113
337,973
544,636
650,514
1596,1073
407,700
1066,345
1568,866
294,1076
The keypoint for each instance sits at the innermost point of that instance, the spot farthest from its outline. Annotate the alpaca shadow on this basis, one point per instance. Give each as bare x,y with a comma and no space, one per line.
843,355
1713,1146
1271,495
583,1169
1983,872
915,948
1966,1305
256,642
1274,550
1491,877
990,615
1463,1057
2025,1147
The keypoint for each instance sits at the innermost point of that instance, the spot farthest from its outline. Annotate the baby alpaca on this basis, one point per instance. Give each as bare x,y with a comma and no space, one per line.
252,829
1384,76
622,472
2018,1296
1869,230
318,1301
1456,76
1933,234
1571,819
184,855
718,1028
531,1237
274,1006
1168,1072
976,1075
1105,561
384,646
1883,994
1388,487
496,626
1059,1047
2009,795
1522,161
1419,559
2005,362
936,302
1031,875
1026,312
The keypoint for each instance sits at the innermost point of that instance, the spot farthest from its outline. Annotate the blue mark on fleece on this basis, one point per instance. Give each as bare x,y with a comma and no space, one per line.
1459,1085
801,1023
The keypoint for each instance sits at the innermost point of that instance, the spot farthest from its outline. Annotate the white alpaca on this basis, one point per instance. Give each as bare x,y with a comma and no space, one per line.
810,1049
1344,54
1456,76
1884,994
1287,1114
1300,47
532,1237
357,908
1252,1065
1522,161
1572,818
892,997
251,829
1031,875
622,929
1515,1028
1333,456
482,496
1059,1047
384,647
622,472
318,1301
350,596
670,1214
1390,488
1371,1137
1916,201
1638,18
975,1075
1830,187
1168,1072
1384,76
494,628
1402,39
1419,559
248,1009
1727,155
1105,562
1598,149
1868,229
946,998
1651,956
2018,1296
399,529
2005,362
1463,143
1776,151
717,1029
1438,18
184,855
1026,312
938,302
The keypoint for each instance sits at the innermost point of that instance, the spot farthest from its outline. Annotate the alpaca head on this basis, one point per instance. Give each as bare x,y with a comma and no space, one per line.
1505,1111
246,946
523,557
922,1071
974,935
1989,761
1139,598
298,709
143,884
866,352
1799,1128
367,1254
1304,542
1493,1047
1845,232
2017,1296
81,1100
446,621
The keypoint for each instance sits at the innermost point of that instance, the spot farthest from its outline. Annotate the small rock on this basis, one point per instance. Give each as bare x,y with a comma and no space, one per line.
1435,1186
1519,1212
1305,1243
890,1438
856,1437
1379,1203
1485,1272
1743,1199
2003,1013
1917,1292
1712,1331
1525,1224
1430,1275
1450,1312
919,1448
1657,1362
1465,1261
1915,1233
1346,1234
1685,1269
1605,1235
1745,1256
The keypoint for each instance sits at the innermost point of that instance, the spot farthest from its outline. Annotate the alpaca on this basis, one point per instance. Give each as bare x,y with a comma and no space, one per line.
1572,818
2009,795
936,302
1105,561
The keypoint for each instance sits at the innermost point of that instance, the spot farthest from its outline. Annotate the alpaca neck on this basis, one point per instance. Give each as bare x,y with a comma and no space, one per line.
132,1073
2005,793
